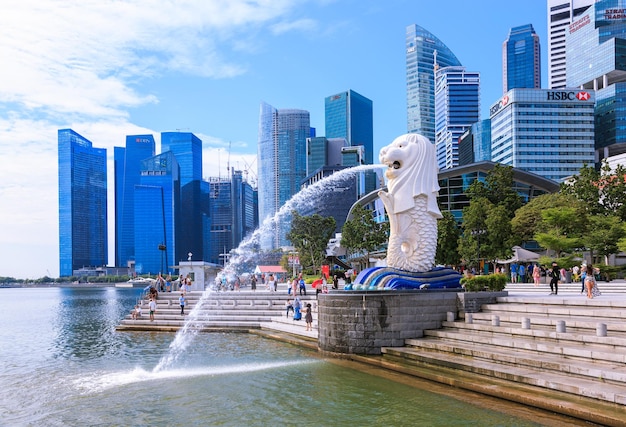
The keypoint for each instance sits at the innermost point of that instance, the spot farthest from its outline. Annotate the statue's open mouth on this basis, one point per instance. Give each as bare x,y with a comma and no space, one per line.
395,165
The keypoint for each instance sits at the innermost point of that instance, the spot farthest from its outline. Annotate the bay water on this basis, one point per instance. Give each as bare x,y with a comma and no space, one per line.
62,363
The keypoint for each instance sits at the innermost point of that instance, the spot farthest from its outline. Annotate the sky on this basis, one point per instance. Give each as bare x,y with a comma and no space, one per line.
107,69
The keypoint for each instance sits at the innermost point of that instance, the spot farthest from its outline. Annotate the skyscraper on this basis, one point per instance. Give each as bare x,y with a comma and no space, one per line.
521,59
596,60
350,115
423,50
188,151
457,107
187,148
157,215
561,13
282,163
82,203
547,132
127,170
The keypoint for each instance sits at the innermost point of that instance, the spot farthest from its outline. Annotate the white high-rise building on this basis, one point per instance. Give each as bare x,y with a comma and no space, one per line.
561,13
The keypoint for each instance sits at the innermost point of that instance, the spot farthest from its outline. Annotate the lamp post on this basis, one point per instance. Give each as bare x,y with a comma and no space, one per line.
162,248
477,233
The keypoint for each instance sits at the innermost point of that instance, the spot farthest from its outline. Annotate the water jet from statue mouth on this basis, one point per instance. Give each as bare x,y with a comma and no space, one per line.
395,165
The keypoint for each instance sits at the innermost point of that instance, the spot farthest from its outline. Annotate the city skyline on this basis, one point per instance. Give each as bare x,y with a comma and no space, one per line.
204,69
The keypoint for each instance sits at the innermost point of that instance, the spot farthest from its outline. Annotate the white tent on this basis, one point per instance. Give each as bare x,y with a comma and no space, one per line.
520,255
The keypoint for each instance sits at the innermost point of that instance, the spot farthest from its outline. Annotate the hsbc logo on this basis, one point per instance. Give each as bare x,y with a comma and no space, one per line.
499,105
568,96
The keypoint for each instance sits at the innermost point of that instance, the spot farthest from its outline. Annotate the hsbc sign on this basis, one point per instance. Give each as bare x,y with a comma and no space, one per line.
499,105
567,96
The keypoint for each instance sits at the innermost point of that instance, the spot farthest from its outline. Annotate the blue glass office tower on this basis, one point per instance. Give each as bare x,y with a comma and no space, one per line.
475,143
188,151
187,148
157,215
457,107
282,163
423,50
127,169
521,59
233,207
596,59
82,203
350,115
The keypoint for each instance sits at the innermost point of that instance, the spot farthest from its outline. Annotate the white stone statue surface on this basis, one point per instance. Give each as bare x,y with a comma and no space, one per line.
411,202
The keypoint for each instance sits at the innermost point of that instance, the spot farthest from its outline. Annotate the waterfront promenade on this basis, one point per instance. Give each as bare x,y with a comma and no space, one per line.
563,353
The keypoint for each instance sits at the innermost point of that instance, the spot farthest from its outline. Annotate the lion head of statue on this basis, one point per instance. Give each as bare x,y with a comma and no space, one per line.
411,171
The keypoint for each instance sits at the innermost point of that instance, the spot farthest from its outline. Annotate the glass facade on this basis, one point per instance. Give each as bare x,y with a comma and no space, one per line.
157,215
187,148
596,60
521,59
127,169
457,107
475,143
547,132
561,13
349,115
454,183
423,50
82,203
282,164
188,151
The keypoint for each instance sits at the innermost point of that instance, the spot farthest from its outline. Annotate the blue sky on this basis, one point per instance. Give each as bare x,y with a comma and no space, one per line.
116,68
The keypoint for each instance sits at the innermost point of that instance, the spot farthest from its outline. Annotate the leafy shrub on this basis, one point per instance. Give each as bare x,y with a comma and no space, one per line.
490,282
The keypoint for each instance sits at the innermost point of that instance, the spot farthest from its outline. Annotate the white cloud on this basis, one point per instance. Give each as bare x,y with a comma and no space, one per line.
78,64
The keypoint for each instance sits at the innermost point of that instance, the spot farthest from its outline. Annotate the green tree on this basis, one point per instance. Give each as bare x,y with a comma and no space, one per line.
362,235
448,234
474,230
310,235
602,192
604,235
528,220
563,228
498,189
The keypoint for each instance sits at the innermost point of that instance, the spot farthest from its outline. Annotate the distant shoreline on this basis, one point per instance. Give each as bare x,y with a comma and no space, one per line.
57,285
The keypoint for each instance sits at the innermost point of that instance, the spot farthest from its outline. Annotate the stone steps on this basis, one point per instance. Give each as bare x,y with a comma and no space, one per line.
579,361
219,310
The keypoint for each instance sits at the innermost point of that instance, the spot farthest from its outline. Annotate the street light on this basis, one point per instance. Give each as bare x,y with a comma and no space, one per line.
477,233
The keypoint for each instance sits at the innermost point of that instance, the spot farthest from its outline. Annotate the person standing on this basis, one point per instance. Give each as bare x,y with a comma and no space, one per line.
297,314
555,274
308,317
182,302
536,274
152,306
253,282
521,274
335,282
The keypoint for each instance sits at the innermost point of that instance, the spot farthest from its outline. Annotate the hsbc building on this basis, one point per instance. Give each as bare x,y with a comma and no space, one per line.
544,131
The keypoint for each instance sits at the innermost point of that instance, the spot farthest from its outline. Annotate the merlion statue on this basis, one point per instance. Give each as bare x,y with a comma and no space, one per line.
411,205
411,202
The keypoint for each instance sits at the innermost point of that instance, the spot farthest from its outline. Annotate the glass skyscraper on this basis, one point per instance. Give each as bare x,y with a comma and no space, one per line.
596,60
82,203
350,115
157,215
127,170
423,50
547,132
282,163
521,59
475,143
187,148
561,13
457,107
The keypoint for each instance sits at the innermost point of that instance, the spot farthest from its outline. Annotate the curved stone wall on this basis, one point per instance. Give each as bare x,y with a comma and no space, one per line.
363,322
